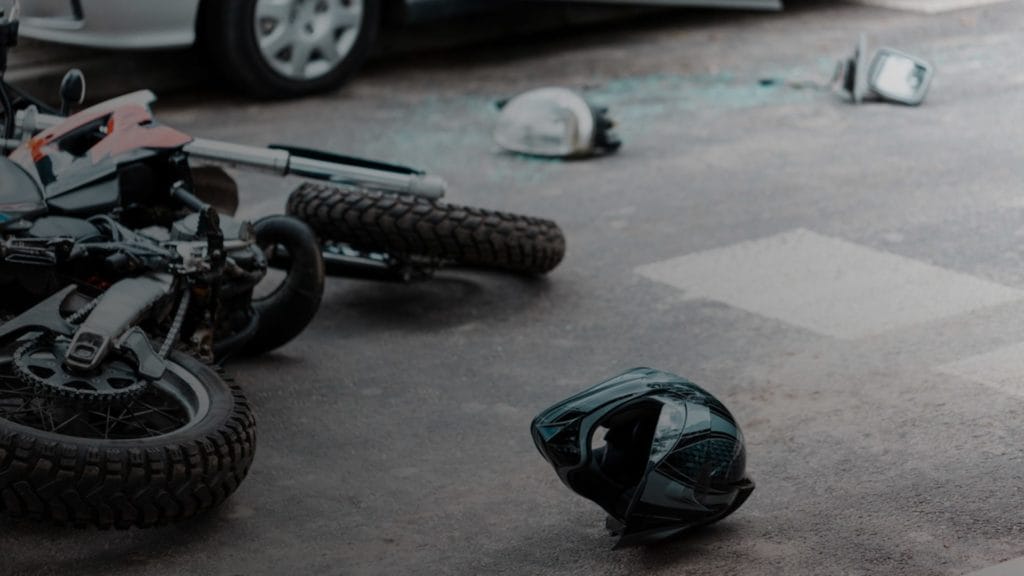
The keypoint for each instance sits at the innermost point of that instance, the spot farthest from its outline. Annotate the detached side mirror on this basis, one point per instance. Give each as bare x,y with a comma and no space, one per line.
554,122
72,90
899,77
892,76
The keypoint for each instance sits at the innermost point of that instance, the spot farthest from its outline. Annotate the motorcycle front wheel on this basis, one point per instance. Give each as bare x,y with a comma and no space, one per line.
179,448
289,306
406,225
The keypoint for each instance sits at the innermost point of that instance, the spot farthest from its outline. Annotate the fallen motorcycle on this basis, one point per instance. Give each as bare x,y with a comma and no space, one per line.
123,286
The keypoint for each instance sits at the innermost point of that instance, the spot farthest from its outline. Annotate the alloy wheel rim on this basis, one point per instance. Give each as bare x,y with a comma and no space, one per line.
306,39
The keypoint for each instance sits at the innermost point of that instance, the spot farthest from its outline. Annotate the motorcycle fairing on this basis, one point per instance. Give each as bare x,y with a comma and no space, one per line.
142,98
131,128
92,143
76,162
19,195
99,195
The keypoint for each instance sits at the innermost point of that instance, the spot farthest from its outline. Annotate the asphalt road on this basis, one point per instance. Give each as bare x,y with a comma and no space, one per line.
848,280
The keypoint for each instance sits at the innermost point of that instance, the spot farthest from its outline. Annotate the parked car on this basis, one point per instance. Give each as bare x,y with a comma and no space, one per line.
268,48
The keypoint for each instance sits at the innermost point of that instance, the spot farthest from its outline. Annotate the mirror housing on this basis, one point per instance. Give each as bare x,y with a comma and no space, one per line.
854,77
891,76
72,90
554,122
899,77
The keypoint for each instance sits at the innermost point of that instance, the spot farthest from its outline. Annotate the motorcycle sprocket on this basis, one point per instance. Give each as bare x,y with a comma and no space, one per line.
40,363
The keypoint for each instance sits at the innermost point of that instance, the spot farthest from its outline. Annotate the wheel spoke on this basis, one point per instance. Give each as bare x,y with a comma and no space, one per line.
108,420
87,405
282,37
142,425
20,392
161,412
19,412
68,421
49,416
301,53
327,46
92,426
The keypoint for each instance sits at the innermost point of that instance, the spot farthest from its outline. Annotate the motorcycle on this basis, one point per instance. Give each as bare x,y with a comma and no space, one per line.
126,281
121,290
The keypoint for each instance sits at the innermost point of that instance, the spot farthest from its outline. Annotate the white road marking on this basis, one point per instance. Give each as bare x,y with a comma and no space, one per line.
827,285
1002,369
1013,567
929,6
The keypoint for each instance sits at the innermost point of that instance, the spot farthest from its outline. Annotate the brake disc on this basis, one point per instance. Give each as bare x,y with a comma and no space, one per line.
40,363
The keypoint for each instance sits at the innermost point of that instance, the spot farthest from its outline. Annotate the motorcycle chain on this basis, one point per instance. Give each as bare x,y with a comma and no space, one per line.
116,382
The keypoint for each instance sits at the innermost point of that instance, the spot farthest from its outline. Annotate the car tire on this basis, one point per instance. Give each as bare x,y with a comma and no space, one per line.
284,48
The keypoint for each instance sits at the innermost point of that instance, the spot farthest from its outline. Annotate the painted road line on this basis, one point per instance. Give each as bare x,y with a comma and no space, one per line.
1013,567
827,285
929,6
1002,369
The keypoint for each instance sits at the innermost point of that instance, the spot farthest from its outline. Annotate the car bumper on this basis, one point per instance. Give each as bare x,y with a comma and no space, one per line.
112,23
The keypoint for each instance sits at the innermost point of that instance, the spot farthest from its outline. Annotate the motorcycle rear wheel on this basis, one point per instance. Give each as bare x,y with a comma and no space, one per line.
403,225
105,468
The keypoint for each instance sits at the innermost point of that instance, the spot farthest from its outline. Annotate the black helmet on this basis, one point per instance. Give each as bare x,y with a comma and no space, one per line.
673,457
